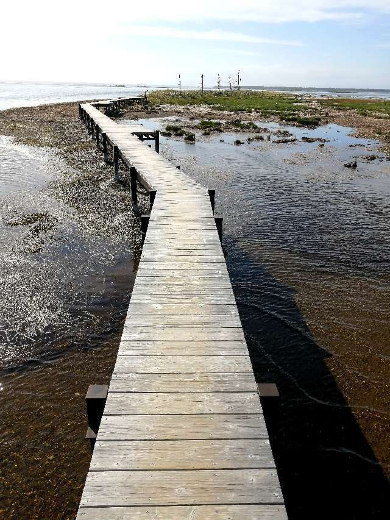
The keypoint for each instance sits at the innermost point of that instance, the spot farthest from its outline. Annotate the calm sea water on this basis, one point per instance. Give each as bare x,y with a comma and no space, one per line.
23,94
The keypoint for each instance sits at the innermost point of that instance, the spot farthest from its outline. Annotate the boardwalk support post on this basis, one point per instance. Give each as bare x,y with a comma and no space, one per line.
157,141
212,199
133,184
144,223
95,401
152,196
104,140
218,223
115,153
269,398
97,135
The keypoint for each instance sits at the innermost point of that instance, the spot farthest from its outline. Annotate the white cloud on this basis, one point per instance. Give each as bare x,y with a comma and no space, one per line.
214,35
383,45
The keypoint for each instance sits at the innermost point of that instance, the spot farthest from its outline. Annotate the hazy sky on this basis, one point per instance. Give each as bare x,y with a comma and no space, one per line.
273,42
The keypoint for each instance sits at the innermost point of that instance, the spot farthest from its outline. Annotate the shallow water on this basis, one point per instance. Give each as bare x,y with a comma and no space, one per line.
66,275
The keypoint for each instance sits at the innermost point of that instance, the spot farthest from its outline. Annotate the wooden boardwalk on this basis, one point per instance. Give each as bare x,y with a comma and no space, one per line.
183,434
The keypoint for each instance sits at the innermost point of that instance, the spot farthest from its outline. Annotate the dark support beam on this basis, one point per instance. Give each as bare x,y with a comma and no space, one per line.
80,112
152,196
133,184
269,398
97,135
157,141
218,223
144,223
115,154
95,401
104,140
212,199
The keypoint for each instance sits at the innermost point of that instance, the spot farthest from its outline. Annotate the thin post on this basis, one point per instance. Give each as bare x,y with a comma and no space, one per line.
80,113
95,401
133,184
97,135
157,141
212,199
104,139
115,153
202,81
218,223
144,223
152,196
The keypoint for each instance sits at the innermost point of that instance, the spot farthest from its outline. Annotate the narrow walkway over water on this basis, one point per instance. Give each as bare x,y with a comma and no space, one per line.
183,434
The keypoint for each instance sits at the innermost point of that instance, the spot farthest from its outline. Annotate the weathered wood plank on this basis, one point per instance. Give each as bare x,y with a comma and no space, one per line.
201,309
183,334
172,427
178,348
180,455
193,512
201,487
204,382
182,364
182,403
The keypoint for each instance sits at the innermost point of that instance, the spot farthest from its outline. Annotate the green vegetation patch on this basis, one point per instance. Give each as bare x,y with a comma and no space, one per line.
365,107
310,122
214,126
265,103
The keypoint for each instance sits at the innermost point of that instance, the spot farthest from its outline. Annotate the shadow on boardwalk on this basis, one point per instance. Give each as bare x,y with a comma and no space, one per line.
326,466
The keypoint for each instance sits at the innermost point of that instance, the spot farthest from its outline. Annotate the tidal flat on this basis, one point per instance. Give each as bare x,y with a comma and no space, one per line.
307,245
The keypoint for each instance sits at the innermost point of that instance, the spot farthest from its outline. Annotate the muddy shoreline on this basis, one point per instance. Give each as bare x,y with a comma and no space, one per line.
42,444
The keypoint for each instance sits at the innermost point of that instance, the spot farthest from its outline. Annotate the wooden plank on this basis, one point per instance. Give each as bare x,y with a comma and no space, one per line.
173,427
200,320
193,512
182,455
146,309
182,403
183,334
204,382
201,487
181,364
178,348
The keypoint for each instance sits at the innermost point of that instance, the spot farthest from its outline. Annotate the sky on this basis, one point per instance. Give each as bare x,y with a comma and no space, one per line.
318,43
